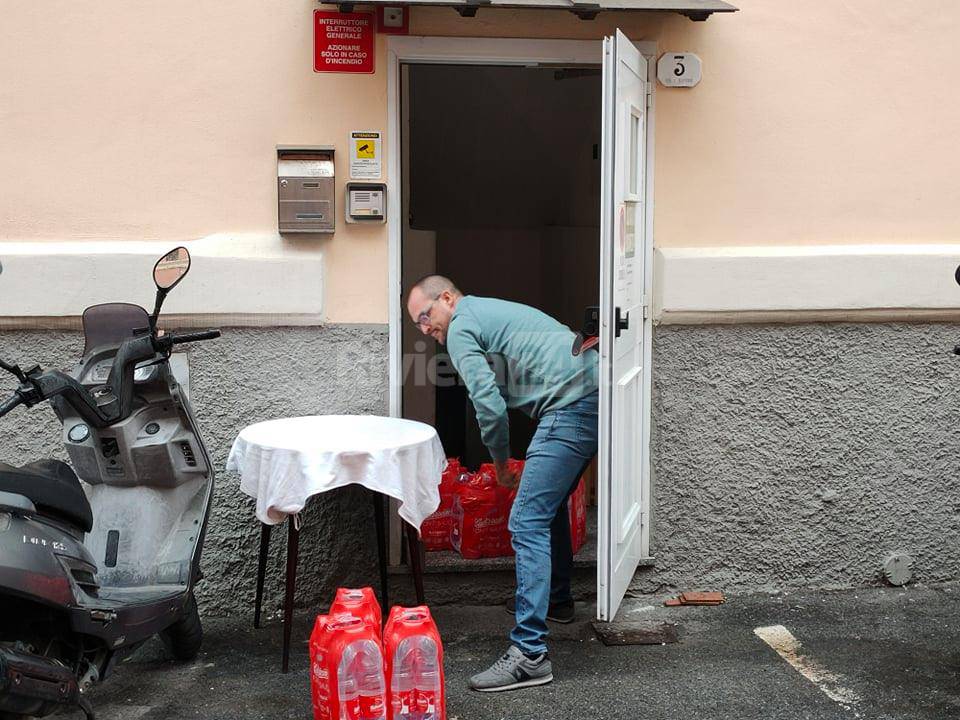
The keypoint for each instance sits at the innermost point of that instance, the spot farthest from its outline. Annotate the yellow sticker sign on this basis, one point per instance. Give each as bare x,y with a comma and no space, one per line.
365,154
366,149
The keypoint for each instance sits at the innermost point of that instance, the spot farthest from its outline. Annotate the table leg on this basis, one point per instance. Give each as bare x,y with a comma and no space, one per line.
380,515
261,571
293,549
415,553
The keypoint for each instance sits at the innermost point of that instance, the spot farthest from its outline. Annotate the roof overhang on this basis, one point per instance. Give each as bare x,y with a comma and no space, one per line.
693,9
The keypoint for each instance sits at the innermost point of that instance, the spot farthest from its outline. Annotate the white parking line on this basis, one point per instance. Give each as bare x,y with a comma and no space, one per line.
788,647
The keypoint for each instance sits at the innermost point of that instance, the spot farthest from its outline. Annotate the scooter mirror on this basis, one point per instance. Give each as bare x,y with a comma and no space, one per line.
171,268
956,275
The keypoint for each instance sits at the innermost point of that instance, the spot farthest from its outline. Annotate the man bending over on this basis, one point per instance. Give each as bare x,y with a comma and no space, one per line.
514,356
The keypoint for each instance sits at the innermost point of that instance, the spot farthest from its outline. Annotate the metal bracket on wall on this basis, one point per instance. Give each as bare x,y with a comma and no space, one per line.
585,9
469,9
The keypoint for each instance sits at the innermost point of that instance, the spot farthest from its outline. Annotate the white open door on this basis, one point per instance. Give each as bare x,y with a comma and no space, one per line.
624,331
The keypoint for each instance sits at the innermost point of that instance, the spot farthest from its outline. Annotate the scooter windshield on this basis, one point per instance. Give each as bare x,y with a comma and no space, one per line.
112,323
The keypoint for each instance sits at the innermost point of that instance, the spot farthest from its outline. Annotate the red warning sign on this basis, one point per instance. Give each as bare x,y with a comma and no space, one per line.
343,42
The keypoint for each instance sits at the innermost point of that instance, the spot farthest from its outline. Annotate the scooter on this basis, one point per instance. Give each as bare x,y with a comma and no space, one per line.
90,571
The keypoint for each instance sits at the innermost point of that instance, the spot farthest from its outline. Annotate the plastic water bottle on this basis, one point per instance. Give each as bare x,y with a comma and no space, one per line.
371,682
415,684
402,688
347,685
427,680
360,682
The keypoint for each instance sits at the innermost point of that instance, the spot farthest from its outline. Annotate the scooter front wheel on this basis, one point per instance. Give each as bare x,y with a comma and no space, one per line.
184,637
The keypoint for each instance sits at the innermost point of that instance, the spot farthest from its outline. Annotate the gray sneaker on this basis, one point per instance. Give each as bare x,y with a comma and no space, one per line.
512,671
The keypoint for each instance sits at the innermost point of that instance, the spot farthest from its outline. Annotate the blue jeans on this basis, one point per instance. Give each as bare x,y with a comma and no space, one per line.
562,447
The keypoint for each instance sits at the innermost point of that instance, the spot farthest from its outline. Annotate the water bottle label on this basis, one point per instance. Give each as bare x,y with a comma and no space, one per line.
372,708
350,709
403,704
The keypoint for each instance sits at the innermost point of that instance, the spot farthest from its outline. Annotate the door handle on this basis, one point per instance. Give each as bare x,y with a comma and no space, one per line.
620,323
588,337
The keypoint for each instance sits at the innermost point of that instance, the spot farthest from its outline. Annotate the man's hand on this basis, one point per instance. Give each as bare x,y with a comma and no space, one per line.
506,476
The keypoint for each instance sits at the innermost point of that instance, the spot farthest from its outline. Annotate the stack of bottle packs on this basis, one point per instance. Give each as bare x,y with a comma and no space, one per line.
435,530
474,513
358,672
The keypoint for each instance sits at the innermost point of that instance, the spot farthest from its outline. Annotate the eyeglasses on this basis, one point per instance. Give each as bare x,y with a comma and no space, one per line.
424,317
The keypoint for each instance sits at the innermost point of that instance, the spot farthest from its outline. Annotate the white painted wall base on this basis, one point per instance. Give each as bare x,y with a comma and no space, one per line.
803,284
246,279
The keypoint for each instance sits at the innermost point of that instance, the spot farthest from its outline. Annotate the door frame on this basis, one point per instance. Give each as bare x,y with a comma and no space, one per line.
499,51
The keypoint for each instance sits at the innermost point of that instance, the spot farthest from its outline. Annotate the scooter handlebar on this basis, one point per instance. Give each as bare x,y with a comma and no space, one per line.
10,403
189,337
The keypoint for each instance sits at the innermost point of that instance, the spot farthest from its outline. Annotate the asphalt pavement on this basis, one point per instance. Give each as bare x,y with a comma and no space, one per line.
879,653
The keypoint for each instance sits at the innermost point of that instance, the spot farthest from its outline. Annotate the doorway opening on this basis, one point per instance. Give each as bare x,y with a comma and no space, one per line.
500,168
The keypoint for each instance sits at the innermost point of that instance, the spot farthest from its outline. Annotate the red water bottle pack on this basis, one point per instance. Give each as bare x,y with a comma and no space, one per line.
481,511
359,602
347,680
435,530
357,673
577,508
319,676
414,656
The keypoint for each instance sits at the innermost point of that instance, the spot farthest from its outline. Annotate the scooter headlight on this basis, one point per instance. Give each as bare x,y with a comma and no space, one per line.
145,373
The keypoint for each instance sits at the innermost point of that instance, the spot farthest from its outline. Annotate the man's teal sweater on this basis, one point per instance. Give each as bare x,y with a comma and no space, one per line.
514,356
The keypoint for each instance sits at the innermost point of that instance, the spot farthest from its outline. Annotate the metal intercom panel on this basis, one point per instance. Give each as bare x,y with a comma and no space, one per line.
305,189
366,202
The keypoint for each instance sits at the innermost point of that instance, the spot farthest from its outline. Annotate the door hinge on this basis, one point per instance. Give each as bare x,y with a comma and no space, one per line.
645,304
649,93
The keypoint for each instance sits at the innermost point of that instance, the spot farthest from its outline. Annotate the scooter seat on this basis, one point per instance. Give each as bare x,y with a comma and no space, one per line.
52,487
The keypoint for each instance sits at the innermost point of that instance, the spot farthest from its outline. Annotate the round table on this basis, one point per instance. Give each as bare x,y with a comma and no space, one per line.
284,462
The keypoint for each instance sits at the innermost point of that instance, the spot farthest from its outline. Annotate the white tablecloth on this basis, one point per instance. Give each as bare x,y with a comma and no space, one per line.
283,462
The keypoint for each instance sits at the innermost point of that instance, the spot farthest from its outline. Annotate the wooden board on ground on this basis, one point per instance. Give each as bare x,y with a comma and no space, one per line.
642,632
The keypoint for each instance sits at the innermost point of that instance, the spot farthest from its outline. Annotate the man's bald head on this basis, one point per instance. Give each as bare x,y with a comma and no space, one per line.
431,303
433,285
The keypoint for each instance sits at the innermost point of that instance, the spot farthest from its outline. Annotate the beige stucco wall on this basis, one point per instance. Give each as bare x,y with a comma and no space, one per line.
815,123
127,121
